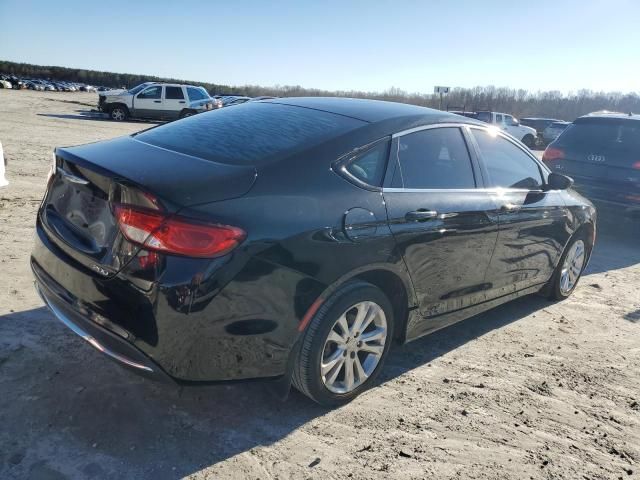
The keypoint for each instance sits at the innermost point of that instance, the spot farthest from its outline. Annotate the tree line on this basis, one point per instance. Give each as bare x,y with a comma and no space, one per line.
519,102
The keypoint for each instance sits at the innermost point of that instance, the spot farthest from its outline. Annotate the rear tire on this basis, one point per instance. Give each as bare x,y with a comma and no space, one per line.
338,358
118,113
570,267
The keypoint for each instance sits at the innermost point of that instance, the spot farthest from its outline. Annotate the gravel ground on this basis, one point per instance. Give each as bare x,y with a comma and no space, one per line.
532,389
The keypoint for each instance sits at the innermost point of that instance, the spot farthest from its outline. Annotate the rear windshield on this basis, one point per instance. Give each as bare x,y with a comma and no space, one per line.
249,133
600,137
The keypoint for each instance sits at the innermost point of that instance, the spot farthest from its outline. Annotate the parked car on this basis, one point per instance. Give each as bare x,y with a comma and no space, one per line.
155,101
297,239
234,100
553,130
5,84
509,124
601,152
539,124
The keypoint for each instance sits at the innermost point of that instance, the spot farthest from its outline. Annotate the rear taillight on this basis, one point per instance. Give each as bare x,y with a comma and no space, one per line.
176,235
551,154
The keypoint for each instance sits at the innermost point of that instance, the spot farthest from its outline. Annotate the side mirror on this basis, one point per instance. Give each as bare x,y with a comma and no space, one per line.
556,181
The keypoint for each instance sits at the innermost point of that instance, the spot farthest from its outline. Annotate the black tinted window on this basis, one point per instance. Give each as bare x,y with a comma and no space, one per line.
600,137
434,158
151,92
484,117
369,167
249,133
508,166
173,93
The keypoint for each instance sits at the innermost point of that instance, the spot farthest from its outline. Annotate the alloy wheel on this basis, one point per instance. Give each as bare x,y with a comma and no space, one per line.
572,267
354,347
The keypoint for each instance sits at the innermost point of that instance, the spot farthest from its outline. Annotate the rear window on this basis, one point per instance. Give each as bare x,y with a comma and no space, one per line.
602,136
250,133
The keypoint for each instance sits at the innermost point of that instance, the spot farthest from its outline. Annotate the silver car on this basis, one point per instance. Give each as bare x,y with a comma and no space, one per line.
552,132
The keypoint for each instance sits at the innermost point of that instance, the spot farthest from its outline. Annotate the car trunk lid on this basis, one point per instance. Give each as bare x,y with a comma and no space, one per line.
78,211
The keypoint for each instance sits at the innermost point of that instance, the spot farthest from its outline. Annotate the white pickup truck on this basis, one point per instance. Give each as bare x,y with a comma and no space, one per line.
509,124
166,101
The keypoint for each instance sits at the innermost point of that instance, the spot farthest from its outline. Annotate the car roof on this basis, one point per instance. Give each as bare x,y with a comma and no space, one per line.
611,115
541,118
372,111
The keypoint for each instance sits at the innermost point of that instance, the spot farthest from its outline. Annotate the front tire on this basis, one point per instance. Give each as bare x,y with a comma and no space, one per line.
118,113
569,269
345,345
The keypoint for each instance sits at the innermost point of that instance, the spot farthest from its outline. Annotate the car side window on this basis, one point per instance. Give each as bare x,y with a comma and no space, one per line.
498,118
194,94
173,93
507,165
435,158
151,92
369,166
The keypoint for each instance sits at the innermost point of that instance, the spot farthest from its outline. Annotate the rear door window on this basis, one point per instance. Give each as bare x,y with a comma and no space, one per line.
435,158
173,93
508,166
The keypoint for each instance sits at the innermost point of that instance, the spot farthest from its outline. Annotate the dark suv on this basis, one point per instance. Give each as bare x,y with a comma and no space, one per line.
601,152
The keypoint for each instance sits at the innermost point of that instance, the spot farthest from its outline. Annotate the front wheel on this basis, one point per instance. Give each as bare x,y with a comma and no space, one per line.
345,345
569,269
118,114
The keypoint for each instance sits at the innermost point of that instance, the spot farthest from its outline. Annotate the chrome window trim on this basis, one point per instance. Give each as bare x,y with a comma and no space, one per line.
409,131
496,190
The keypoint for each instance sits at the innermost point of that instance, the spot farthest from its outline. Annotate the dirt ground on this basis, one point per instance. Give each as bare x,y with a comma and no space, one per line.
532,389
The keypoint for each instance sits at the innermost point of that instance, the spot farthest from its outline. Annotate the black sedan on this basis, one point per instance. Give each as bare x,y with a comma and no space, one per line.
297,239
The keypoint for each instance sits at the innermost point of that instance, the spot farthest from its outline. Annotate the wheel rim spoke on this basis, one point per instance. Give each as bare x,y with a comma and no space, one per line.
348,374
361,374
335,359
375,349
335,337
377,334
333,374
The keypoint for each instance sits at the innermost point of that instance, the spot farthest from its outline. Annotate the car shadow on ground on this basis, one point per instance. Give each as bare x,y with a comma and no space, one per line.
163,430
93,115
107,422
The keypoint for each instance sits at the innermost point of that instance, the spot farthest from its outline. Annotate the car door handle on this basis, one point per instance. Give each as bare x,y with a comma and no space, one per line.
182,101
157,101
420,215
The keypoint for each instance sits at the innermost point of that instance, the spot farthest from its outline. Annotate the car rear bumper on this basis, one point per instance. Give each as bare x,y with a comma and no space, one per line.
191,334
79,321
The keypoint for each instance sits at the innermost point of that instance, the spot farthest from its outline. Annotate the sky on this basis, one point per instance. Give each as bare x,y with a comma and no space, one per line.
338,45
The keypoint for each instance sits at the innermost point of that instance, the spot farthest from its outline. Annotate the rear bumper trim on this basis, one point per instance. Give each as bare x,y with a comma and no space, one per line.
60,315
